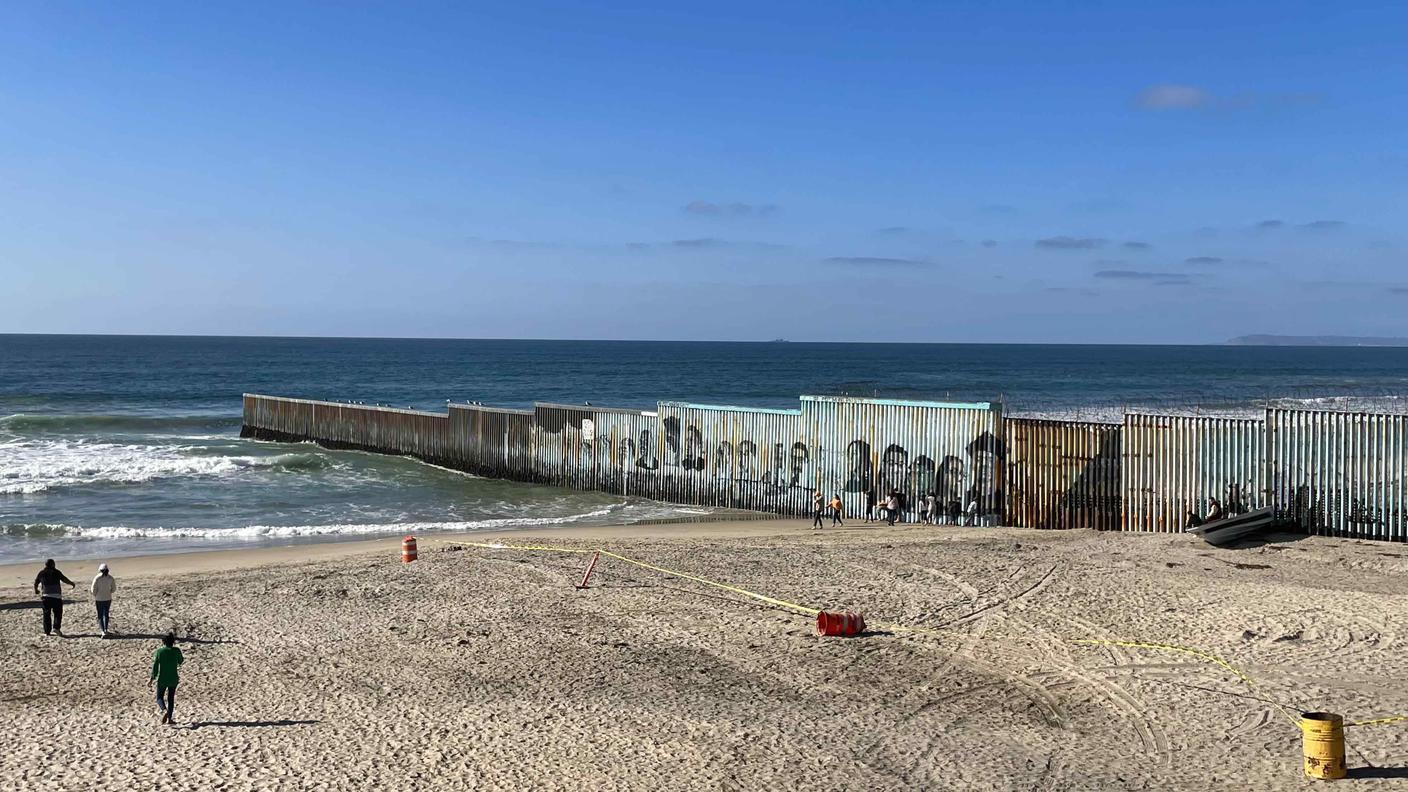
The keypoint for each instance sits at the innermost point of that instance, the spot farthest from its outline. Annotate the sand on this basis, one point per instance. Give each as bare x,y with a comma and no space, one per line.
335,667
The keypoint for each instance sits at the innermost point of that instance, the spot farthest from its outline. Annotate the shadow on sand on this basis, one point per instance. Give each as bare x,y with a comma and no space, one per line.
114,636
250,724
1377,772
21,605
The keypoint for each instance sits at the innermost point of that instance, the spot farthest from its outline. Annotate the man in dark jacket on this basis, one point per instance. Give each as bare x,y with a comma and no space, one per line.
47,585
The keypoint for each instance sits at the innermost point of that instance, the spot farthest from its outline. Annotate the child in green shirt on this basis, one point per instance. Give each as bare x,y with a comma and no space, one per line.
164,665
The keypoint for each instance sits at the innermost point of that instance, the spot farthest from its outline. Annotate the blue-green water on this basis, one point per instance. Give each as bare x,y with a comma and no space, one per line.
113,445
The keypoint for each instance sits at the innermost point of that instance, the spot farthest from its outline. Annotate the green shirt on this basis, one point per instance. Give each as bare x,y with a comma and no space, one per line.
164,665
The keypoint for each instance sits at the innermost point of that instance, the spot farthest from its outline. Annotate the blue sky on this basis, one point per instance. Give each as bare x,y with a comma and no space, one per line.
963,171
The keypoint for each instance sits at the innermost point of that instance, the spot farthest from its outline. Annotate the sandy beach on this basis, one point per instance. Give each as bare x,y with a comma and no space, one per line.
336,667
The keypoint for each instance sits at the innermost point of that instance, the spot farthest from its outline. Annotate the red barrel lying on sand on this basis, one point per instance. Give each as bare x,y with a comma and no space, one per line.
839,623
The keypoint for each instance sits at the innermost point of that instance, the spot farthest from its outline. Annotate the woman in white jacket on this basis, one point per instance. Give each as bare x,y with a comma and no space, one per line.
102,590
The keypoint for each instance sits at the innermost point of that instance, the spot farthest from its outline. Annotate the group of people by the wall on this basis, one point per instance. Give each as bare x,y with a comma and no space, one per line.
48,585
932,509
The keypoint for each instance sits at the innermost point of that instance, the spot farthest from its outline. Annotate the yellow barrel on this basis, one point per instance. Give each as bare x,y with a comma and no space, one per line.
1322,741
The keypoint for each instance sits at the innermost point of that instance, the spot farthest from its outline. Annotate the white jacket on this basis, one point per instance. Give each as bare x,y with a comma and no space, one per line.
103,587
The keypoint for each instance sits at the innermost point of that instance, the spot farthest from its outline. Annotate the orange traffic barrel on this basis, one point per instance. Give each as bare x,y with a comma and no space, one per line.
839,623
408,549
1322,744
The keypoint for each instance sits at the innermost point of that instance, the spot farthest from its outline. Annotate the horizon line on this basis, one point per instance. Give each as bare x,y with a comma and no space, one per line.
619,340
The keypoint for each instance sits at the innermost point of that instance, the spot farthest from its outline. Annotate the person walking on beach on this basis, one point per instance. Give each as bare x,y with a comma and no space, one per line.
892,508
165,677
47,584
926,510
102,589
838,510
818,509
870,504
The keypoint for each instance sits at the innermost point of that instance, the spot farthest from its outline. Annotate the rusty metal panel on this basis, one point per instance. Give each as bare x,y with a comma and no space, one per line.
1340,474
563,443
390,430
273,414
734,457
1174,466
424,435
595,448
952,451
493,442
1062,474
623,446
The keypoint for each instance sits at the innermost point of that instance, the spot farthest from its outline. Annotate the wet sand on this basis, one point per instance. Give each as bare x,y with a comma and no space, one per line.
336,667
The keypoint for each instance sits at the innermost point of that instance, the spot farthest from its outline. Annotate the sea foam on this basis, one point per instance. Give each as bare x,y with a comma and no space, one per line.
256,532
32,466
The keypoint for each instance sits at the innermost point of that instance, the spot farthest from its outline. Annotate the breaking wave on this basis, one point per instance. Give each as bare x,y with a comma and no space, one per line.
256,532
30,467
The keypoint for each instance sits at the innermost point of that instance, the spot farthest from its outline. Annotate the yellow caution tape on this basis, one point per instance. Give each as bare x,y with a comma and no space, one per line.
903,628
1376,721
716,584
1212,658
673,572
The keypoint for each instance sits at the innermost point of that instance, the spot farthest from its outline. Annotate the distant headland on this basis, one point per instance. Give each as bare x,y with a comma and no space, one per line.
1318,341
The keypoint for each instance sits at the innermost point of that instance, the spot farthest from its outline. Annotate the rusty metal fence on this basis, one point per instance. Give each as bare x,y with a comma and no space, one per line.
387,430
1063,474
1174,466
951,452
493,442
734,457
1340,474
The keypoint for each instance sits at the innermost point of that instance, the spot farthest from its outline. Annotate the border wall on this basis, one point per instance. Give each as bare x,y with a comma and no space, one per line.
1329,473
1176,465
1063,474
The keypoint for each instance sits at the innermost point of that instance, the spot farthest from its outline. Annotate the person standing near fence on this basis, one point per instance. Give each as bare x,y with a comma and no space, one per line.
892,508
165,677
818,509
838,510
870,504
48,585
102,589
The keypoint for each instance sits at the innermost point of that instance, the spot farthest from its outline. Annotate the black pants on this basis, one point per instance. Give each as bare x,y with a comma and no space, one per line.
836,517
53,614
103,608
169,706
816,517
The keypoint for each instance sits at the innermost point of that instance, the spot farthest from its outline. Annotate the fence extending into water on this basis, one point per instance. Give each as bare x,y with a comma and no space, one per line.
1330,473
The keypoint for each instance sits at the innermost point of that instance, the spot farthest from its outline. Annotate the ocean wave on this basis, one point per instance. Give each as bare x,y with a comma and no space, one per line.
1368,404
20,423
32,467
257,532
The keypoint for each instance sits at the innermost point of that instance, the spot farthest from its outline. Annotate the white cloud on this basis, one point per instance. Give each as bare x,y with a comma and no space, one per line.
1167,96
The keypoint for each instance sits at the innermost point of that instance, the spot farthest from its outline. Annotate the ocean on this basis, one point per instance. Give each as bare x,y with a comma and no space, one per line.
117,445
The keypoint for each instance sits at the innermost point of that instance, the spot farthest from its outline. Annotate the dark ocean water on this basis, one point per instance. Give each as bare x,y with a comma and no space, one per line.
113,445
